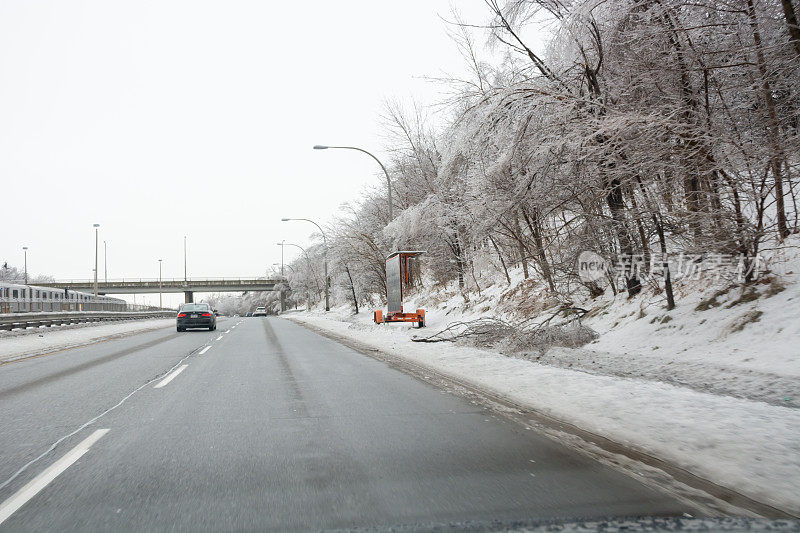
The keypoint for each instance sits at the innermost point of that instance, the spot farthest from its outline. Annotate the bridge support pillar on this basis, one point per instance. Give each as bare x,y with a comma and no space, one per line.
189,296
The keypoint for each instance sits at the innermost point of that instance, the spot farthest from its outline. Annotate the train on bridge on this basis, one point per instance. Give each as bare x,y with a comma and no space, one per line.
16,298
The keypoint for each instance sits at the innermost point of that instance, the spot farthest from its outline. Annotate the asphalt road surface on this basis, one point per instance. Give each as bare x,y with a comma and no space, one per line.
265,425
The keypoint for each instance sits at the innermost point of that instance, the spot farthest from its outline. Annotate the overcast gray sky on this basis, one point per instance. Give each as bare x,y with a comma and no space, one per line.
163,118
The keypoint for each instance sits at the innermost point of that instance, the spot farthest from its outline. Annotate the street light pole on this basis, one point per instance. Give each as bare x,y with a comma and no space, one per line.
388,180
160,304
105,263
96,246
283,303
185,278
281,245
325,241
25,251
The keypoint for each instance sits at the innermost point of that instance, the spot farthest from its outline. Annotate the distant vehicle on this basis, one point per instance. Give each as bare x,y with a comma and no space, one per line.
196,316
260,311
249,314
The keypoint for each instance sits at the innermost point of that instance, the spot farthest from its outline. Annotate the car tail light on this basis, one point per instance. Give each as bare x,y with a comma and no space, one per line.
206,314
181,315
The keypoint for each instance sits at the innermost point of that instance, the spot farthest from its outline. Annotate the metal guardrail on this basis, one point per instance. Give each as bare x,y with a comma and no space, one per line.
29,320
112,281
133,286
174,283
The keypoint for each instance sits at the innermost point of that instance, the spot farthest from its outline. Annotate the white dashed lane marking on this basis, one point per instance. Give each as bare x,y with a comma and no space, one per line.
10,506
171,376
204,350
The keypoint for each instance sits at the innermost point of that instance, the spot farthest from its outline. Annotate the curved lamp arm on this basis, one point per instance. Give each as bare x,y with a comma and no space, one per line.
385,172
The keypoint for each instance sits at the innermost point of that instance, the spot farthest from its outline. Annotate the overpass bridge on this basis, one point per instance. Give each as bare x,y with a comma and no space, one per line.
187,286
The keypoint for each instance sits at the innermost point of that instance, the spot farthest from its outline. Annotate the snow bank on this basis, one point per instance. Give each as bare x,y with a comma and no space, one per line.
18,344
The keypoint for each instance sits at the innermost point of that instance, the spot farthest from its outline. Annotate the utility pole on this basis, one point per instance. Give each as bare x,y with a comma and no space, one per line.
160,304
25,251
105,263
185,277
281,245
283,302
96,246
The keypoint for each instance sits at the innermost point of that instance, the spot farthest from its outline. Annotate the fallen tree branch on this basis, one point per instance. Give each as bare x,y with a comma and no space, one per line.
524,335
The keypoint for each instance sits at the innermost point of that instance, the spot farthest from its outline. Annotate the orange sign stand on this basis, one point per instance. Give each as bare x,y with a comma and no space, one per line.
397,275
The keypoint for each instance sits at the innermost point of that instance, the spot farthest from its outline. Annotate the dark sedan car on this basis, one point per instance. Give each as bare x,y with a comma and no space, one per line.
196,316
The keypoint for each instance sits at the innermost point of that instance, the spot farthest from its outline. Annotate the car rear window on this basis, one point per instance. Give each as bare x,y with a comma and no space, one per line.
195,307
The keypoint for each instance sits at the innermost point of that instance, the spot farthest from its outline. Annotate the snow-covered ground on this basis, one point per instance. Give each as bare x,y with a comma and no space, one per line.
17,344
712,386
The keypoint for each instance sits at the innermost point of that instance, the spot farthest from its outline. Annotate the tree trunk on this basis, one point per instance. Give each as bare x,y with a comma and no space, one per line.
474,278
616,205
640,226
537,240
665,263
737,209
455,246
791,22
521,248
352,287
773,131
500,256
695,164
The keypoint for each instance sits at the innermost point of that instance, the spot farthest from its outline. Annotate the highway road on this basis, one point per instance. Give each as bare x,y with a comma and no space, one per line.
265,425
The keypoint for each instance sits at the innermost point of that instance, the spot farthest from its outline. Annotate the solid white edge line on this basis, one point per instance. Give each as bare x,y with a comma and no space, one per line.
204,350
218,338
32,488
171,376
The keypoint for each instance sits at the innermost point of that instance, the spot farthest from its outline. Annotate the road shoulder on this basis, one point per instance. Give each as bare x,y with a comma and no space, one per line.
43,341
